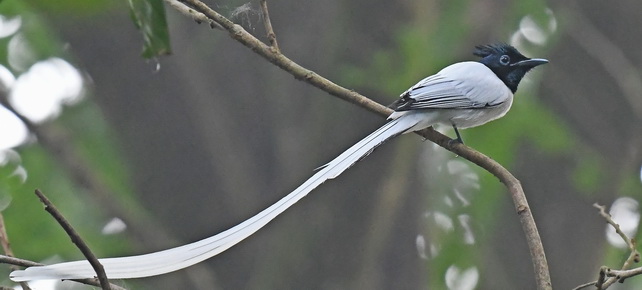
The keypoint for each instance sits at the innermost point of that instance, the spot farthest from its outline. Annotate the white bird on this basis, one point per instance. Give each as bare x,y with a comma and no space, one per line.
465,94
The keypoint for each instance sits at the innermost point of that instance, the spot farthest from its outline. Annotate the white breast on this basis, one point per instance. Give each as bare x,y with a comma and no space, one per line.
483,87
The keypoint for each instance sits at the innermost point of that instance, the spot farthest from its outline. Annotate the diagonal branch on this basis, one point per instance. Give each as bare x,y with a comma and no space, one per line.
585,285
241,35
76,239
529,227
197,16
609,219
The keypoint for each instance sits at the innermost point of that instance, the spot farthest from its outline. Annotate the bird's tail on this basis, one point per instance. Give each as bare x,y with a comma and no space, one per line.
184,256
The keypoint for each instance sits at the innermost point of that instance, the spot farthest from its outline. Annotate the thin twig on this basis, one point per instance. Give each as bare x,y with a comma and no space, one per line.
615,275
6,247
589,284
268,26
18,262
633,257
76,239
197,16
620,275
631,243
609,219
538,257
26,263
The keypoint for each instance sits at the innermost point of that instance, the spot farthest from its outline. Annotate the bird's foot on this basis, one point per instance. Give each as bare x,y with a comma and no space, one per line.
453,142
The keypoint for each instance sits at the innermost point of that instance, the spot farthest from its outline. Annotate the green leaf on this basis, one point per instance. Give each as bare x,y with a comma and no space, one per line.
149,17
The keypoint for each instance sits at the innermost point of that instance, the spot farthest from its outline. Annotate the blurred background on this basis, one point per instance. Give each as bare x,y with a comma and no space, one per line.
142,155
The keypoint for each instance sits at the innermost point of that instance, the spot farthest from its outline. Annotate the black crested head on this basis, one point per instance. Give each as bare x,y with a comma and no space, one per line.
506,62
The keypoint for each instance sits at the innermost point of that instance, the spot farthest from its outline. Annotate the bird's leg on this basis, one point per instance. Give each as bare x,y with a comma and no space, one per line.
458,140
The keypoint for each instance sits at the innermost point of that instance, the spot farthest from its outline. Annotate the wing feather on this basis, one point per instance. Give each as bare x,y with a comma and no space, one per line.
452,88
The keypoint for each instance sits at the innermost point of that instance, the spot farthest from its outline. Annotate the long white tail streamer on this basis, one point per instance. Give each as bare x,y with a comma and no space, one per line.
184,256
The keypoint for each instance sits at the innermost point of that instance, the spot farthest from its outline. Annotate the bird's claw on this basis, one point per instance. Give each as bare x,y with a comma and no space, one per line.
454,142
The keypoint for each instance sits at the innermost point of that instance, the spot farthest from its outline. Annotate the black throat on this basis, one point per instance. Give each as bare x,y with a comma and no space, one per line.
504,60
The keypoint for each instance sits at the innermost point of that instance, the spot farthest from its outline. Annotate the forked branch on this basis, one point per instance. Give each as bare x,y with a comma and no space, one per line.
606,272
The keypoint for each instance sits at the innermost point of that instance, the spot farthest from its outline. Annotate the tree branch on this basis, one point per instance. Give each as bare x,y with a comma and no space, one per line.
76,239
268,26
589,284
189,12
529,227
615,275
629,242
620,275
241,35
634,256
17,261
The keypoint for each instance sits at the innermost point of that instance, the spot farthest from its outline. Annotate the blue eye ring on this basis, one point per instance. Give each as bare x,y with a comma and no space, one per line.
504,59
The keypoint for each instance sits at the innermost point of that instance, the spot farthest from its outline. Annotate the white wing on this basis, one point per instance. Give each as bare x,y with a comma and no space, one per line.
463,85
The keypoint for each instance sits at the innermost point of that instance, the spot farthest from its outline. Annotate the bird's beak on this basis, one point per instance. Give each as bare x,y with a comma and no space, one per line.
531,63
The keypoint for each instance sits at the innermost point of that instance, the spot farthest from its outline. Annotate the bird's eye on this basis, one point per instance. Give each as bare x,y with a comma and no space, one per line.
504,59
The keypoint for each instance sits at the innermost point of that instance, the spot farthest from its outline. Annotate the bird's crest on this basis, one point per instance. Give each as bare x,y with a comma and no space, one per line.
498,48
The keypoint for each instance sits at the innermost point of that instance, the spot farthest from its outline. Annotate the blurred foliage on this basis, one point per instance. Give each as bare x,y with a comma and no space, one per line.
73,8
29,225
149,17
537,10
589,176
35,32
33,233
